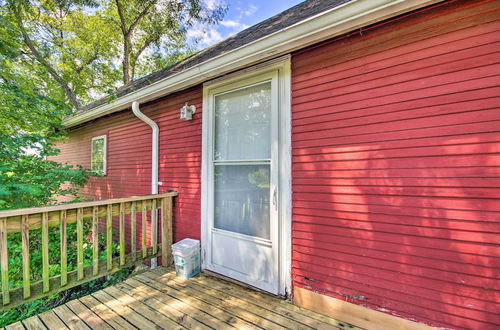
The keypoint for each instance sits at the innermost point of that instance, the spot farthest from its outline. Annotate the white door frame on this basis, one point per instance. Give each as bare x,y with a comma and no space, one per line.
281,66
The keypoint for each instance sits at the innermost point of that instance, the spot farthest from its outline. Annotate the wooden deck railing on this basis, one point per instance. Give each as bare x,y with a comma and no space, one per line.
98,214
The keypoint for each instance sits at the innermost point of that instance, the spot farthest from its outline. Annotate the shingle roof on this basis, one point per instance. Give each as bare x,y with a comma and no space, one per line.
276,23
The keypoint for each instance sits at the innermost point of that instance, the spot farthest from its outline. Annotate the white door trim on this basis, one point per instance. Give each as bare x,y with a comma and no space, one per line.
282,67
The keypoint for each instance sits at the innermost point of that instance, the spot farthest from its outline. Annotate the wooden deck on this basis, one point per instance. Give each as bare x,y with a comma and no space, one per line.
158,300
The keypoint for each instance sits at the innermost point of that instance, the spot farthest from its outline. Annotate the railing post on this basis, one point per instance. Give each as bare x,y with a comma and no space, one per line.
109,236
79,242
25,237
122,234
95,240
144,215
4,260
154,226
64,254
133,233
45,251
166,231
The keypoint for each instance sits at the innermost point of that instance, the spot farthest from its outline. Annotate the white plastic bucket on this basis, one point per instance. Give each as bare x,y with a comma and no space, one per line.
187,257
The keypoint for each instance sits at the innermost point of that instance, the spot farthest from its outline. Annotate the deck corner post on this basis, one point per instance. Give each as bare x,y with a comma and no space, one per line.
166,231
4,260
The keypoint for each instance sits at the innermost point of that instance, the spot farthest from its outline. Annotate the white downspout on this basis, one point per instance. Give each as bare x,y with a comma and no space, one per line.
154,164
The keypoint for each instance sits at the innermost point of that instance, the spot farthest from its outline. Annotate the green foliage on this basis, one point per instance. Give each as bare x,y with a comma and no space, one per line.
82,50
27,179
32,106
29,100
154,30
30,120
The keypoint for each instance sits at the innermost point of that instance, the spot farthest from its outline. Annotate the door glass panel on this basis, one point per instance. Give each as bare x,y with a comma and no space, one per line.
243,123
242,199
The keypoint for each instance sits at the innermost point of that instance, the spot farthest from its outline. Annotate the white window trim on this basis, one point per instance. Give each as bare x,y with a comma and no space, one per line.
105,158
283,66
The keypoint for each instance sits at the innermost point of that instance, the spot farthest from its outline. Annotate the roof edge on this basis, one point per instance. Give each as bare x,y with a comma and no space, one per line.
328,24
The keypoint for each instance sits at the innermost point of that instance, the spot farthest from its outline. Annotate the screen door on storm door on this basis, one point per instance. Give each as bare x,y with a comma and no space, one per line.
243,203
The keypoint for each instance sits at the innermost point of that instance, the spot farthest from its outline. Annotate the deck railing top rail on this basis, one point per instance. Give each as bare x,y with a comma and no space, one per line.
95,256
59,207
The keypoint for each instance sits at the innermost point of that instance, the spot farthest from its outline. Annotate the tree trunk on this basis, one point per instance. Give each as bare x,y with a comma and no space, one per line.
126,60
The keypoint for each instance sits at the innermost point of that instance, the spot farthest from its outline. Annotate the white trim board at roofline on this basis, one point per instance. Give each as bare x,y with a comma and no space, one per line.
328,24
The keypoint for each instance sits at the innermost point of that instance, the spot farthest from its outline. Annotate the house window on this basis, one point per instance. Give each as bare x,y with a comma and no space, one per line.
98,161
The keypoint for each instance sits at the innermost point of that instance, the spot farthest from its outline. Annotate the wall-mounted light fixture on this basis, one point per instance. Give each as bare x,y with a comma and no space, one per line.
187,111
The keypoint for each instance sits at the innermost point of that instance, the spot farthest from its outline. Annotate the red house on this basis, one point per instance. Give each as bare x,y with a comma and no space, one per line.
344,154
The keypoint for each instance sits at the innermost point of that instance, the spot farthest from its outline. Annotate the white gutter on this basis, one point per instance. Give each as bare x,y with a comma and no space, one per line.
154,165
328,24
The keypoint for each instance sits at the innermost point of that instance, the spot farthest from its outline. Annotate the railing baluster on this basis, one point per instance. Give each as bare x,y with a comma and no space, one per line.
133,224
4,260
79,242
144,220
122,234
64,257
25,238
109,237
45,251
95,240
166,231
154,226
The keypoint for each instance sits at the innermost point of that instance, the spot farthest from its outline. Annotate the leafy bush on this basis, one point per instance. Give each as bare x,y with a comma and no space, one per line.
28,179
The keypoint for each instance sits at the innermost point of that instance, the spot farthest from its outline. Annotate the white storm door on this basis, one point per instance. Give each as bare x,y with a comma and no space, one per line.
243,179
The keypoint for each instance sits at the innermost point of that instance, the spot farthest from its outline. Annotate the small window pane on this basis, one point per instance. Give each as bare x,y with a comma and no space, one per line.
243,124
98,155
242,199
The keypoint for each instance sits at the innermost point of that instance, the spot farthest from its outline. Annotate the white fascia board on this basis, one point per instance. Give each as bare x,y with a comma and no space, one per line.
328,24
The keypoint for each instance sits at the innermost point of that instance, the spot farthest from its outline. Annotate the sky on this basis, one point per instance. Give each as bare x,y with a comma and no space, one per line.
240,15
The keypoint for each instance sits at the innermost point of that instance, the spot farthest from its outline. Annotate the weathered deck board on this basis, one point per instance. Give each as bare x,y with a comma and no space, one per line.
124,311
106,314
279,306
225,319
149,296
254,314
159,300
51,320
71,320
15,326
87,315
34,323
231,293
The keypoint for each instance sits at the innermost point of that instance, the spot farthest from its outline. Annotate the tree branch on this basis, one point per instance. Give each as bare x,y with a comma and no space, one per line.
122,17
34,51
135,58
82,66
128,63
126,44
141,15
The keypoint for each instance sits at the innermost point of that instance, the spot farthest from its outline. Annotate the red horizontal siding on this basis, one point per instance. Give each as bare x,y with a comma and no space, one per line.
396,166
129,157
